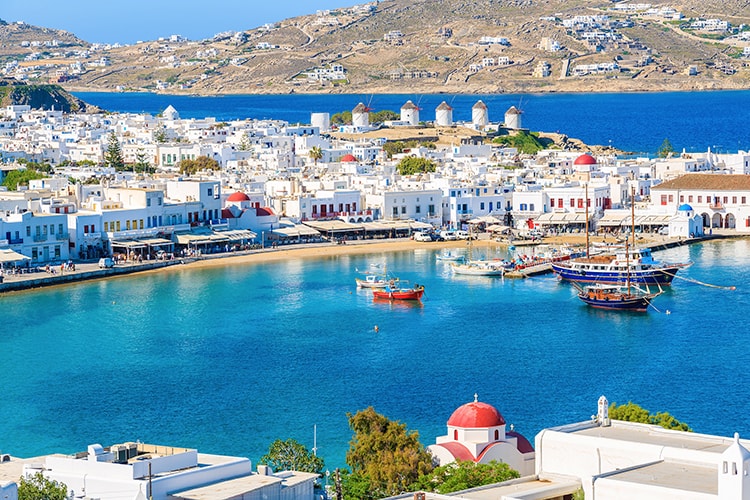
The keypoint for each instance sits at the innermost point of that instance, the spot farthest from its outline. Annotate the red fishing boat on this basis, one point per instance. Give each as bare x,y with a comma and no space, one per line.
389,293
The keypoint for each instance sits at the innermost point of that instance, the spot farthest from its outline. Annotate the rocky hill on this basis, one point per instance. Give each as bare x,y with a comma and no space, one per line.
431,46
41,97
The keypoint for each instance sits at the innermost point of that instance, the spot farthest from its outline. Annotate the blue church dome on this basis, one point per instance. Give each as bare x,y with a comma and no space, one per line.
685,208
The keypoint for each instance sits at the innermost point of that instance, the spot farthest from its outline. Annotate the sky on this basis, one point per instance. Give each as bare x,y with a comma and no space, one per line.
128,21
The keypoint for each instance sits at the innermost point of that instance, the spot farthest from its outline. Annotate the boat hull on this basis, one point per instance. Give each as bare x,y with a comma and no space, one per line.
474,269
375,283
656,277
401,294
622,303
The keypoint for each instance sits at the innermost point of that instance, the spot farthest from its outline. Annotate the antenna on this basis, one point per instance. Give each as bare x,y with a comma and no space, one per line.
315,439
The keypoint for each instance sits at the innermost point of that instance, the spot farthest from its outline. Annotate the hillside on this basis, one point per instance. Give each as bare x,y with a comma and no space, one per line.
41,97
425,46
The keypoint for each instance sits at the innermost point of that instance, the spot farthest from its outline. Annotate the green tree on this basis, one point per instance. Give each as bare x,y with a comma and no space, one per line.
632,412
315,154
113,155
16,178
38,487
524,142
384,115
245,143
291,455
192,167
413,165
385,458
462,475
665,150
142,165
343,118
160,136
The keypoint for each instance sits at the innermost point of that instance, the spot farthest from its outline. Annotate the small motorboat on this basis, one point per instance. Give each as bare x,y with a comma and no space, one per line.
390,293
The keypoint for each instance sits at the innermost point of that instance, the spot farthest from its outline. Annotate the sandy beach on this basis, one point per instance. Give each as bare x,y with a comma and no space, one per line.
91,271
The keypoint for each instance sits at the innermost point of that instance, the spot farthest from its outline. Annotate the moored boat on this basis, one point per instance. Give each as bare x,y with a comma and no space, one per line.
479,268
377,280
613,268
616,297
389,293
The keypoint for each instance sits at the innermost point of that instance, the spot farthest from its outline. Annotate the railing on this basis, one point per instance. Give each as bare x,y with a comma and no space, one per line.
17,241
716,206
40,237
62,236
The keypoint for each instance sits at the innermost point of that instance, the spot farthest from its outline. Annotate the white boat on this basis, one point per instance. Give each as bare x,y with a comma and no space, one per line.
451,257
377,280
479,268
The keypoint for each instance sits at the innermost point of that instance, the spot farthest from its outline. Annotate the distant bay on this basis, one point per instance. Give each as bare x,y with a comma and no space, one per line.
634,122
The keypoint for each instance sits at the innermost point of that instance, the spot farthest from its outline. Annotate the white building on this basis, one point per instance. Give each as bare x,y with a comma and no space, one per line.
140,471
444,115
615,459
720,200
477,433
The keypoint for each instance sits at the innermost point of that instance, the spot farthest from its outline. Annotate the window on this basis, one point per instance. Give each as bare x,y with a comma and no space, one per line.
127,225
141,224
118,225
403,210
106,227
734,199
85,229
135,224
51,229
580,202
34,253
690,198
148,202
682,199
725,467
57,251
481,206
395,211
431,209
60,228
418,209
38,231
552,202
725,199
531,207
700,199
572,202
28,230
664,199
210,192
744,200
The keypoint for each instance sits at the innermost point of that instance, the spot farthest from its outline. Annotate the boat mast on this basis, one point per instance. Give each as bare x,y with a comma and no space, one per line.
632,213
587,219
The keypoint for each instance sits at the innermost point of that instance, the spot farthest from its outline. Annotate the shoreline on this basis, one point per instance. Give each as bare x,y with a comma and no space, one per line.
90,271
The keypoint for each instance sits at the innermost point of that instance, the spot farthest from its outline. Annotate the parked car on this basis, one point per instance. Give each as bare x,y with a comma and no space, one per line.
422,236
448,235
465,235
106,263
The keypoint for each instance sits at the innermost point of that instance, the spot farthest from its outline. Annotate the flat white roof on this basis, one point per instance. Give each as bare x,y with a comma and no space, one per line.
673,475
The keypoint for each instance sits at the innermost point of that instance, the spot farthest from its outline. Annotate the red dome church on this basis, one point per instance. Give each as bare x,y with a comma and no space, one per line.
476,432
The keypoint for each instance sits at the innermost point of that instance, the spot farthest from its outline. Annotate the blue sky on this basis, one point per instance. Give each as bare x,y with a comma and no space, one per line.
128,21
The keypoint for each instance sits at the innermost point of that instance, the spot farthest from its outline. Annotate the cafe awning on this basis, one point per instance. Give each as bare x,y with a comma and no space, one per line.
7,255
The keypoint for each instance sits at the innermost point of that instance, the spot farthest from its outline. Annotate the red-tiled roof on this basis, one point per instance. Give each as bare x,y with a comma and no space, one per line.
459,451
476,415
713,182
262,211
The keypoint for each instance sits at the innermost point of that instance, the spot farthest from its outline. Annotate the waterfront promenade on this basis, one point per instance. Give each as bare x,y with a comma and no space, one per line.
90,270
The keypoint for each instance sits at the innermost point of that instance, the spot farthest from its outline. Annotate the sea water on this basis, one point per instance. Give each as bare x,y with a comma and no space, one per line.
228,359
633,122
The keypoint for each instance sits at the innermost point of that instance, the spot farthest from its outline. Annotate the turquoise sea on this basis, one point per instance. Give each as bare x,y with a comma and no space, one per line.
634,122
228,359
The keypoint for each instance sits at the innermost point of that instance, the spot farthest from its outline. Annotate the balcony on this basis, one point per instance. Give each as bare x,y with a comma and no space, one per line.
62,236
716,206
40,237
17,241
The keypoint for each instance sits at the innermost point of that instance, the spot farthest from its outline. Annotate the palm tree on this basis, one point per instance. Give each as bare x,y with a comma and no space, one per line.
315,154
